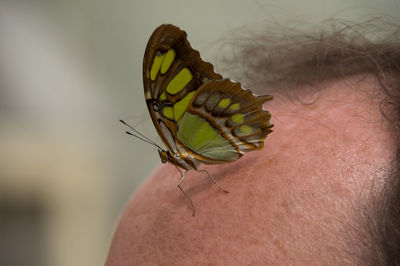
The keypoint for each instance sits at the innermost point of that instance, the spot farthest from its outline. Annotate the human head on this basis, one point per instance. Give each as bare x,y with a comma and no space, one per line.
324,190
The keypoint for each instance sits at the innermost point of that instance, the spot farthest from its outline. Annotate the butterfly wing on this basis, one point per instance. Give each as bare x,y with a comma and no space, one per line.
199,116
172,72
222,122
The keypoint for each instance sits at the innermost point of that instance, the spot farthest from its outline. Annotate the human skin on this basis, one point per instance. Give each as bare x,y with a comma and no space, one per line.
297,201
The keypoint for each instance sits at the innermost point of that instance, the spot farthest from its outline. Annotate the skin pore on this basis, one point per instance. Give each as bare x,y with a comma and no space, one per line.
293,202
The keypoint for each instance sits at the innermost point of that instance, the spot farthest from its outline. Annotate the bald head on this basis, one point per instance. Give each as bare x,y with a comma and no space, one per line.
293,202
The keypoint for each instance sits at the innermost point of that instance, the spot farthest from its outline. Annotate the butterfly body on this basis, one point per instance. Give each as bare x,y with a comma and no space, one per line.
200,117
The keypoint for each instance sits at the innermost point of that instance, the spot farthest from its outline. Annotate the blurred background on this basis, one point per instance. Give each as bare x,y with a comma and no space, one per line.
69,70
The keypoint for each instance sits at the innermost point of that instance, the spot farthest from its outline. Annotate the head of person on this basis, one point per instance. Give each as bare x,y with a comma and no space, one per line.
324,190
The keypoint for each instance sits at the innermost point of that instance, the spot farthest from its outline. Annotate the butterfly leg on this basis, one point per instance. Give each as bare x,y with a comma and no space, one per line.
185,193
213,180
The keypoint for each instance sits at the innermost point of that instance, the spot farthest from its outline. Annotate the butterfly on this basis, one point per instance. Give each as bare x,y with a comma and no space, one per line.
199,116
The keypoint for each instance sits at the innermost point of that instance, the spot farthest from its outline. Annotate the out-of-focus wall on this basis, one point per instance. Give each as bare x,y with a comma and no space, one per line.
68,71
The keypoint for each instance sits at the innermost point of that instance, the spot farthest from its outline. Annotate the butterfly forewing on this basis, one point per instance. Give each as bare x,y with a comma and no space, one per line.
172,71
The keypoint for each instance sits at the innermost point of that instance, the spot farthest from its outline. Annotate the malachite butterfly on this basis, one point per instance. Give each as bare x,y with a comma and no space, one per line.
200,117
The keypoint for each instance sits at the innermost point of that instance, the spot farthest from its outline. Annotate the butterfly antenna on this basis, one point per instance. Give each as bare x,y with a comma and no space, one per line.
139,135
137,132
142,139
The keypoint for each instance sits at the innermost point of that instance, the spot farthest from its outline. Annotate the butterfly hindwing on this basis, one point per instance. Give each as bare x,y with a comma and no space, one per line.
229,121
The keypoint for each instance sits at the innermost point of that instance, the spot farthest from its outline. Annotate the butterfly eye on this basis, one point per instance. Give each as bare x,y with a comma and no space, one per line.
163,156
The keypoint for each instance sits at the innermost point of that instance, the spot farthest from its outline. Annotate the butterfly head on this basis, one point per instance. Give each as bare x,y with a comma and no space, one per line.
164,155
